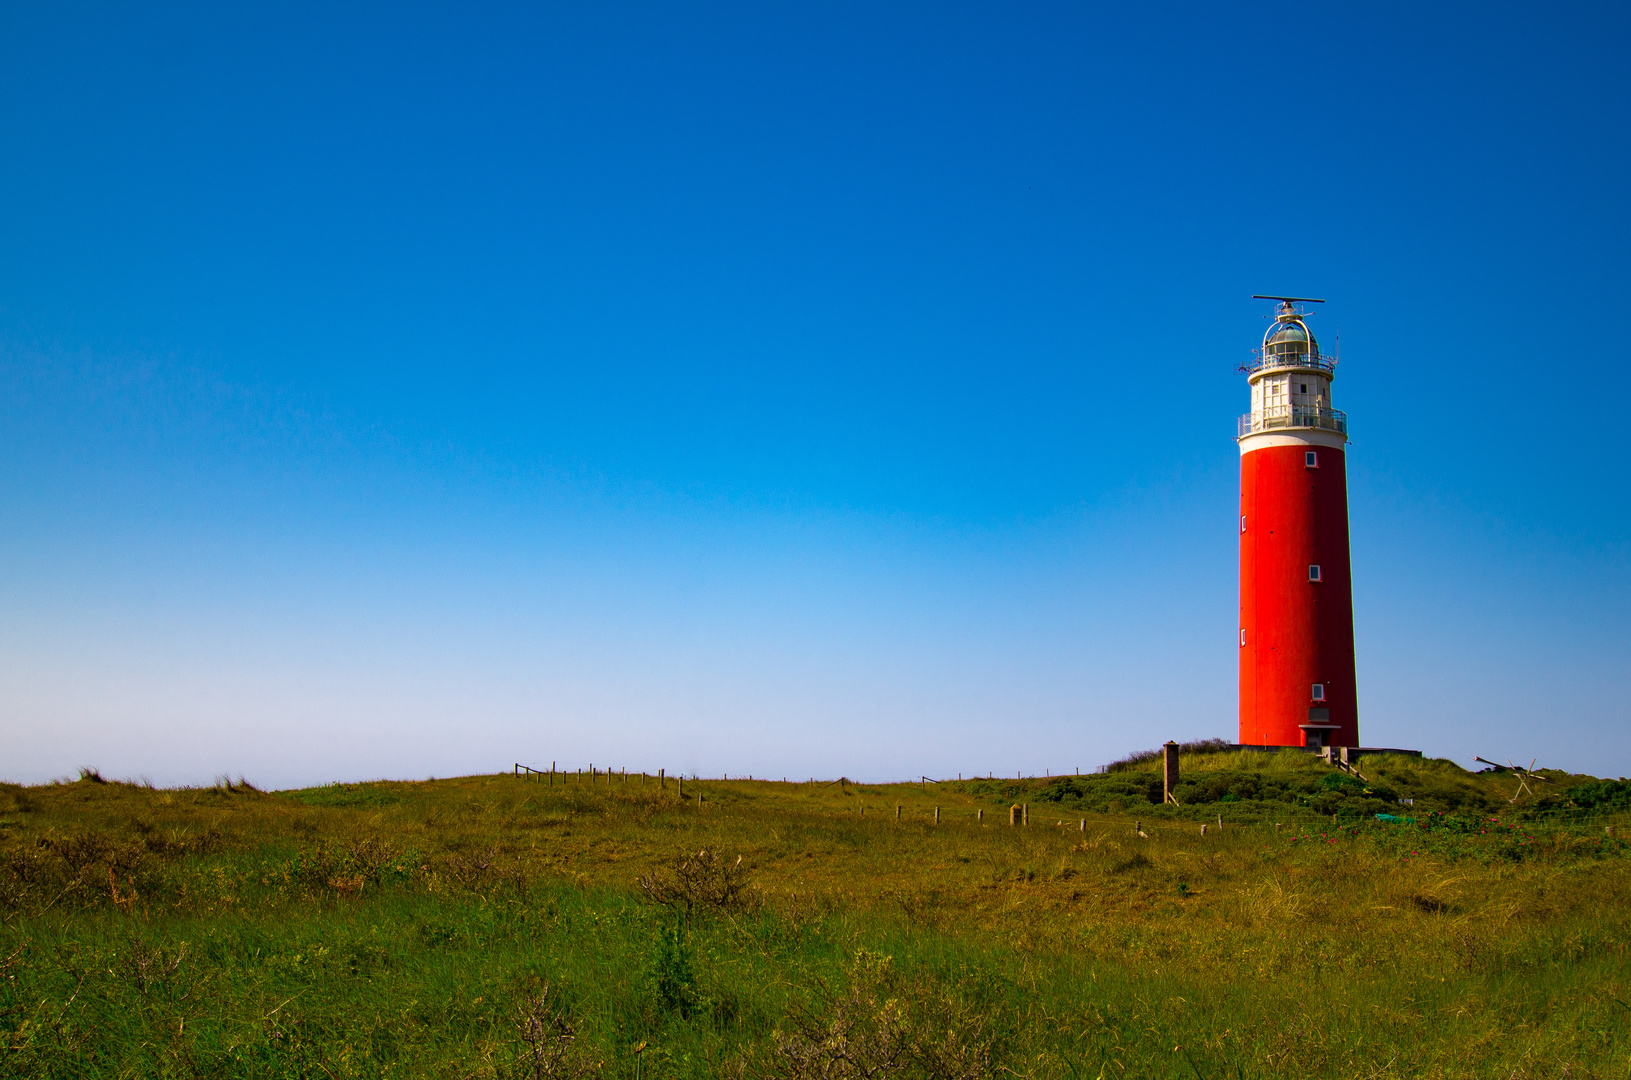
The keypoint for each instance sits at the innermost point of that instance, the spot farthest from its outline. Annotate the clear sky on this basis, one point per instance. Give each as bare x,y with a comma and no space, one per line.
792,390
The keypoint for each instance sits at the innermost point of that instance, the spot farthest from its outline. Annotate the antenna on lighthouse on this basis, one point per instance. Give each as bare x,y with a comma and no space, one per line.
1291,299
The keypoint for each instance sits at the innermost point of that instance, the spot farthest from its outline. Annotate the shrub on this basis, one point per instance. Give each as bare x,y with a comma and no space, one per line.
672,979
550,1042
885,1026
350,867
1601,795
150,965
471,871
703,880
14,799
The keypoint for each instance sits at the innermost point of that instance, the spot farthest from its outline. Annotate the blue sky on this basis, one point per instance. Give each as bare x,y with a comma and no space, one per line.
801,391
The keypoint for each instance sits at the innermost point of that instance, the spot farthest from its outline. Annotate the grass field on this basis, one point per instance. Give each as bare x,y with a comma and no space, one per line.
500,927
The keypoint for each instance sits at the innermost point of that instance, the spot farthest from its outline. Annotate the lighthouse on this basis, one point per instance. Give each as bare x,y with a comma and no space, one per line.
1296,602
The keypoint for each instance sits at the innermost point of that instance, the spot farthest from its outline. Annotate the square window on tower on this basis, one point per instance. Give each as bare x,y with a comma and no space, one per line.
1314,572
1243,638
1303,388
1311,459
1319,691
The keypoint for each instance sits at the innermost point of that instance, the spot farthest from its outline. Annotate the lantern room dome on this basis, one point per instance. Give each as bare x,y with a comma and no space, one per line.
1290,337
1289,341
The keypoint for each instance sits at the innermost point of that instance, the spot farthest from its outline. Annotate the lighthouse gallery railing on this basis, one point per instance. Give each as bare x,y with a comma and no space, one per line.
1280,361
1274,417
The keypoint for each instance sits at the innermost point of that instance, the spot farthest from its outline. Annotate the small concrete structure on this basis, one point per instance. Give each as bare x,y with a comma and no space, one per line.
1169,772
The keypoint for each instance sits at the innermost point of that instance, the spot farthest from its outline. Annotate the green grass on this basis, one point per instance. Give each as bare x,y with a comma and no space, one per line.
432,929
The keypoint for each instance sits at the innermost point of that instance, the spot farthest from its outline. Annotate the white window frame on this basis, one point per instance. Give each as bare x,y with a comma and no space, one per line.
1318,692
1311,459
1314,572
1242,638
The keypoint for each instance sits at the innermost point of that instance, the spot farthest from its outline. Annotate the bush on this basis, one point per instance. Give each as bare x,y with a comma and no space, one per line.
83,869
885,1026
703,880
1097,792
14,799
350,867
549,1041
672,978
1601,795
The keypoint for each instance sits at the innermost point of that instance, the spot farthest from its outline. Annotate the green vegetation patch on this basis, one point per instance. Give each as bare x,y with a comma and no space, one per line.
1592,795
348,796
1267,787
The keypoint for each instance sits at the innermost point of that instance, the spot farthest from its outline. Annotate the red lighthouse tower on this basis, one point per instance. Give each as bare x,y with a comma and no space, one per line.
1296,603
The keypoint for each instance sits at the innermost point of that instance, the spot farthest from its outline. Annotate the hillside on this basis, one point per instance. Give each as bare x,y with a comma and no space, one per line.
1251,786
497,926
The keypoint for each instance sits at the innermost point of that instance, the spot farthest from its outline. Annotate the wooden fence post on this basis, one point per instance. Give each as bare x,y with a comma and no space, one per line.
937,815
1013,814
